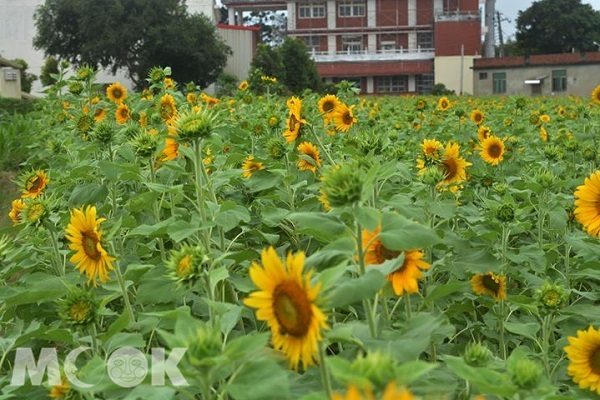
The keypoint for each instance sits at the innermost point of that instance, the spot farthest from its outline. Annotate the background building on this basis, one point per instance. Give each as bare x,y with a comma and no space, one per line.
538,75
385,46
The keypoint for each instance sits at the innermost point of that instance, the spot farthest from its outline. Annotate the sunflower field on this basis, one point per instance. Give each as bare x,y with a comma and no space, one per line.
174,245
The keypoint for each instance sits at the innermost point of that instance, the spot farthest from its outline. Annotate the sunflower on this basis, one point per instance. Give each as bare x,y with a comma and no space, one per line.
191,98
295,121
18,206
583,353
596,95
492,150
587,204
250,166
169,83
85,238
116,92
171,150
34,184
431,148
210,101
477,117
483,132
309,150
545,118
490,283
123,113
344,118
391,392
287,302
404,279
243,86
444,104
168,109
62,390
99,114
326,105
453,166
543,134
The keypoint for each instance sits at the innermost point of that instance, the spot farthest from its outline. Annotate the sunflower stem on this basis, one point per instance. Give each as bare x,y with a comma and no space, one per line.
124,291
60,265
318,139
362,270
155,206
200,191
502,344
213,196
325,380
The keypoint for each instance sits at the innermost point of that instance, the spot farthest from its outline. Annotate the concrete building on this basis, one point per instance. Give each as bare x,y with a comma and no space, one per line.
10,79
538,75
385,46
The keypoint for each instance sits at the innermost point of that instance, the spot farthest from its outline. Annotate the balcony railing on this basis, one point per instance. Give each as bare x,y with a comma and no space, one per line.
457,16
378,55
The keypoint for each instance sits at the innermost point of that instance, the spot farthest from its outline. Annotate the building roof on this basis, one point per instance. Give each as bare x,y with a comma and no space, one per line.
537,60
253,2
8,63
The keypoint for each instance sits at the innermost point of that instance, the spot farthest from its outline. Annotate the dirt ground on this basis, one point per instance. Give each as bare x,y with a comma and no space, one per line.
8,192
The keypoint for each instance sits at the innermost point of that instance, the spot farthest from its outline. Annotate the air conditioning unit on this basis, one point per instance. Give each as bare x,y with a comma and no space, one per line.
10,74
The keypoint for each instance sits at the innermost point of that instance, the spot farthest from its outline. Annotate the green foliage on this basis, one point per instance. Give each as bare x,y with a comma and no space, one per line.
134,35
272,26
439,89
49,71
26,78
557,26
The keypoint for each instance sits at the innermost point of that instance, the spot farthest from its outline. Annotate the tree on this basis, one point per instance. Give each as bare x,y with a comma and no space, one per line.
49,69
132,34
272,26
557,26
26,78
300,71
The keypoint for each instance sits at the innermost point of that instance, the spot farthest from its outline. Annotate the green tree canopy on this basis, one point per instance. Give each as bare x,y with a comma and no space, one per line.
557,26
132,34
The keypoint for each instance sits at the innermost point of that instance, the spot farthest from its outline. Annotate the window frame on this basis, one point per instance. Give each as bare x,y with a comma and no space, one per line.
499,82
353,44
392,84
559,80
310,11
352,8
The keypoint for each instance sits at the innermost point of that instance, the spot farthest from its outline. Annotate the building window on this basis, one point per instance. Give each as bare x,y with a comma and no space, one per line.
312,43
559,80
425,40
388,46
352,44
351,9
311,10
450,5
499,82
424,83
392,84
482,76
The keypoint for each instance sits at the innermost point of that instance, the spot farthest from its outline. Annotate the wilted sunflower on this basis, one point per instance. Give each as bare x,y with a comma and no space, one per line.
391,392
344,118
492,150
583,353
85,238
453,166
489,283
116,92
295,121
477,116
308,150
443,103
596,95
34,183
403,279
587,199
123,113
168,108
250,166
18,206
287,301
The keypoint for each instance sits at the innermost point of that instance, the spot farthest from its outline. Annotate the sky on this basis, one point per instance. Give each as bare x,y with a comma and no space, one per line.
510,10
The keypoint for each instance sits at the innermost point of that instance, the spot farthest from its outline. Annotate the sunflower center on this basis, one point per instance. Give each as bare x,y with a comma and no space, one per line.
595,361
79,311
450,168
347,118
490,283
292,308
328,106
35,184
90,245
117,94
184,266
495,150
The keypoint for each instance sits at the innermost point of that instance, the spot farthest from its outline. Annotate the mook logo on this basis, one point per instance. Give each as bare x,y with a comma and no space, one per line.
126,367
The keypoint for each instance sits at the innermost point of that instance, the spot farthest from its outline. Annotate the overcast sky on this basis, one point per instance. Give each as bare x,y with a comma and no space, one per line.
510,9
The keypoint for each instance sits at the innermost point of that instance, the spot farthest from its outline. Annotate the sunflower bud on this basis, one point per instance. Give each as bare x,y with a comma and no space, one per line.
75,87
36,211
156,75
79,308
204,346
505,213
85,73
553,153
85,123
524,373
572,144
377,368
487,181
590,153
276,148
145,143
192,125
545,178
500,187
105,131
432,175
343,186
477,355
520,102
186,265
551,297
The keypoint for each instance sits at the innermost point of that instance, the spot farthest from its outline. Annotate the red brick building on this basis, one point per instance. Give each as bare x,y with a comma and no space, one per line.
385,46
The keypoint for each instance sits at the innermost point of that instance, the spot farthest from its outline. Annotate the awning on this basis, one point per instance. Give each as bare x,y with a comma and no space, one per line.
535,81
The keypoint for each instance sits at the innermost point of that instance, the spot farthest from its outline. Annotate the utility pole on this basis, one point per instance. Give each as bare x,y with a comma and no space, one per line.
488,44
501,52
